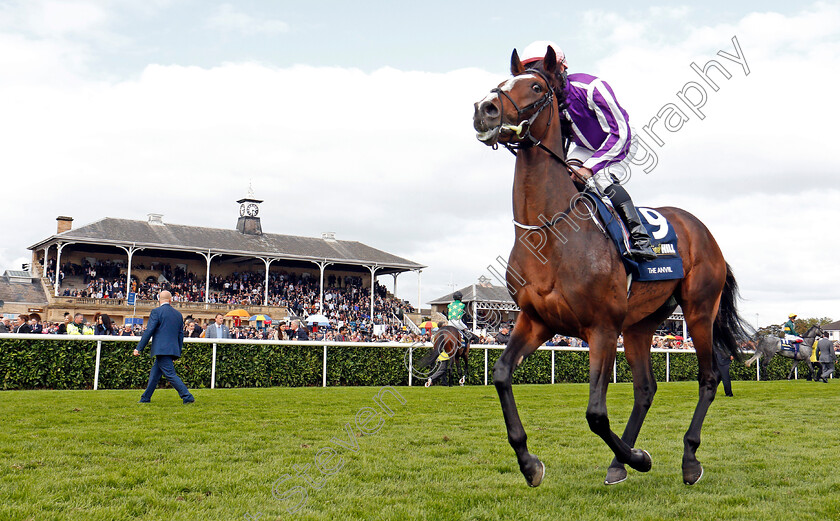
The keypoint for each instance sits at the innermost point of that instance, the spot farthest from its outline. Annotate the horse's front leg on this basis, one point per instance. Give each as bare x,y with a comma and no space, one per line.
526,337
601,358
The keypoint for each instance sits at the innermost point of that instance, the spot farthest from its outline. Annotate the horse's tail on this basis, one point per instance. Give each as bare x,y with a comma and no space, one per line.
730,331
431,357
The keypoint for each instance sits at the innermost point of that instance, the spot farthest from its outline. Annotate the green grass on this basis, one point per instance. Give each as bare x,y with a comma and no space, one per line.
769,453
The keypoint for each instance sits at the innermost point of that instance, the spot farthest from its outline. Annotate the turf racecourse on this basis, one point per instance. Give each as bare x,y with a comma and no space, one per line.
443,455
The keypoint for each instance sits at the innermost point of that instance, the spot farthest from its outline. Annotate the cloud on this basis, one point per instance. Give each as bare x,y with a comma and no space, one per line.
227,18
389,157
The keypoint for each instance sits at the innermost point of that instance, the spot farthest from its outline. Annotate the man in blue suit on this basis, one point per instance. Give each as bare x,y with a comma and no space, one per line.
166,324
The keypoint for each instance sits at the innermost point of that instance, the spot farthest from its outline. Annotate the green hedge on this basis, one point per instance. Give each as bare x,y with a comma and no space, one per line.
55,364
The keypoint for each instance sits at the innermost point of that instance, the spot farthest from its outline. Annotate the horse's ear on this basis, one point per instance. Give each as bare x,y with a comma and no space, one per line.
516,66
550,61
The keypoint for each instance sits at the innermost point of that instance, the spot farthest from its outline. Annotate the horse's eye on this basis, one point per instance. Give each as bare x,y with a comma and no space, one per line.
536,88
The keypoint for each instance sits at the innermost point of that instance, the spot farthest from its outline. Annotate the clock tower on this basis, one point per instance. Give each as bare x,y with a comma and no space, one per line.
249,211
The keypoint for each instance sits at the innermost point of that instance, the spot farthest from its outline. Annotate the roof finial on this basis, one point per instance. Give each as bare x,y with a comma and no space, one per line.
250,189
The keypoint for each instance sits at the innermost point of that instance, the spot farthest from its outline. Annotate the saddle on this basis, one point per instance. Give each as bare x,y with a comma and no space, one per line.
668,264
791,345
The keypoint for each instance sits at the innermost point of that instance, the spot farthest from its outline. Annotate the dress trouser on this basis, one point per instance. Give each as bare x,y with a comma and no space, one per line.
164,366
827,369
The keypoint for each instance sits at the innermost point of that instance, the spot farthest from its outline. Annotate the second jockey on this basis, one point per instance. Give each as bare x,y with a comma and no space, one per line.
790,330
455,312
601,137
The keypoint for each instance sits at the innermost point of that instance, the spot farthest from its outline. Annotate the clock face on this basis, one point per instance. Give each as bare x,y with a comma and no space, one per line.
252,209
242,209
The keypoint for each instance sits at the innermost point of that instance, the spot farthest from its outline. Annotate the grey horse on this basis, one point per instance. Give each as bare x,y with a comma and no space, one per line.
768,346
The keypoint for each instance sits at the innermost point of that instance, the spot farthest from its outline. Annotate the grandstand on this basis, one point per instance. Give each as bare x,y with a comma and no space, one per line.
93,268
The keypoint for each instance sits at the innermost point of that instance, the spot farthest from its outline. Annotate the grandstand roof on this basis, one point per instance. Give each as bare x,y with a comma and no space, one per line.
143,234
834,326
14,289
479,293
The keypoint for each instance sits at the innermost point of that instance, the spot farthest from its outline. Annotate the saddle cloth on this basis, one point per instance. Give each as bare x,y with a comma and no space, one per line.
668,264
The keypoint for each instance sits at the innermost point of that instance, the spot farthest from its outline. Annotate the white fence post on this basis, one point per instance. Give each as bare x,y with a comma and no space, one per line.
552,366
96,371
485,365
615,370
410,365
758,371
667,367
325,366
213,369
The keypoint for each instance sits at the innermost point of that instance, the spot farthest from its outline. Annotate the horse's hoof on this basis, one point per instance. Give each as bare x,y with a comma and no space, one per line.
615,475
640,460
461,381
692,474
428,382
537,475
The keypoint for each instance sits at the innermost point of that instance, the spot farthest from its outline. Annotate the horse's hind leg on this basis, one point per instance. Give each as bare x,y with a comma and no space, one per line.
637,350
527,336
700,326
793,370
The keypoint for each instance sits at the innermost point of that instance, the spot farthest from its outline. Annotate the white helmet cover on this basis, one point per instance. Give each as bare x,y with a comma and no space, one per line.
536,51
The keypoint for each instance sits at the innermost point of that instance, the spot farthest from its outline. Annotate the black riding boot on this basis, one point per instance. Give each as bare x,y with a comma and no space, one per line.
640,248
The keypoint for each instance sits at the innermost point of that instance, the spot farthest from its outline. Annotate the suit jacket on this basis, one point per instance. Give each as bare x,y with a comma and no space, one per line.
214,331
23,329
166,325
826,349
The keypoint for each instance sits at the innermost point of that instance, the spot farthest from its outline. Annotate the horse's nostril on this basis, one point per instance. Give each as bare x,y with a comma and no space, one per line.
489,110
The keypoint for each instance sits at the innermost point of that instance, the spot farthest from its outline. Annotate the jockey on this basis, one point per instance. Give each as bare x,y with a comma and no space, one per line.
601,137
454,312
790,330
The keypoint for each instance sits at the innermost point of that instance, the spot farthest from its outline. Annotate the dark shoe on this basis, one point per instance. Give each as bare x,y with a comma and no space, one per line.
145,401
189,401
640,248
730,395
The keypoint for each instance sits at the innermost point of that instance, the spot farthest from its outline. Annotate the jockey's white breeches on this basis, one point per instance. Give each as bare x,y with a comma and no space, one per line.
458,324
604,177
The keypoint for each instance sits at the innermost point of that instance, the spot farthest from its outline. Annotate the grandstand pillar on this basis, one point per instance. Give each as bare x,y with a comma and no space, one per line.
130,251
395,275
208,257
373,269
59,246
418,290
267,262
322,266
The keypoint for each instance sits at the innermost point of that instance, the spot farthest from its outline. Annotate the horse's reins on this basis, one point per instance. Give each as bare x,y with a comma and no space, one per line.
523,130
525,125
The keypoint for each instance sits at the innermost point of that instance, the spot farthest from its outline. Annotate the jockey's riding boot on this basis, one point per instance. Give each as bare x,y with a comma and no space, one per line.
640,248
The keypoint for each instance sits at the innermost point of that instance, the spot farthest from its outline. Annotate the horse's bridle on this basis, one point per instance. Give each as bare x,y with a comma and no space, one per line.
525,126
523,130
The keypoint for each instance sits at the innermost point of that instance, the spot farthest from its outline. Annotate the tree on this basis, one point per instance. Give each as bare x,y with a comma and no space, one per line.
803,324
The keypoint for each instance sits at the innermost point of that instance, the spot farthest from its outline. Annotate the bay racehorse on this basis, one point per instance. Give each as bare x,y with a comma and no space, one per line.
578,286
447,340
768,346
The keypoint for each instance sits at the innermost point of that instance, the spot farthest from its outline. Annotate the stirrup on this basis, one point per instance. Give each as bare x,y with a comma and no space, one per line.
642,254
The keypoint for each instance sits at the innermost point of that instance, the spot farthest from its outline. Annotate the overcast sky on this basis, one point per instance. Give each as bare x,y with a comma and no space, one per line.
357,118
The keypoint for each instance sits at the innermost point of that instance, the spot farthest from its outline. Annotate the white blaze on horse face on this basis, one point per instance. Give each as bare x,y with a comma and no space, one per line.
511,83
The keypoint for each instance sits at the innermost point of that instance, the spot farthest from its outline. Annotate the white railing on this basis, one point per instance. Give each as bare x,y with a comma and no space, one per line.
318,343
414,328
